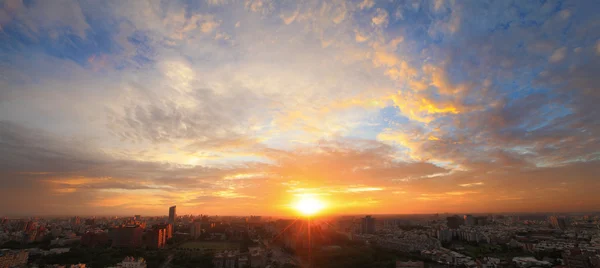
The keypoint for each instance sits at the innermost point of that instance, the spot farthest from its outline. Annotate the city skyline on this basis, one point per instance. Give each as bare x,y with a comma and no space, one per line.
261,107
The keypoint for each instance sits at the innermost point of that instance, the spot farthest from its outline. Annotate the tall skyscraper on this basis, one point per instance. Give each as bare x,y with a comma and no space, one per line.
367,225
172,214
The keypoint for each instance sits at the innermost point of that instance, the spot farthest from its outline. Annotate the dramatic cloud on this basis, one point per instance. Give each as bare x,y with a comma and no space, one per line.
228,107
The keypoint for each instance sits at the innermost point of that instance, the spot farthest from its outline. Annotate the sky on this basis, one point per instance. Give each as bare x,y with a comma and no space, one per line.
239,107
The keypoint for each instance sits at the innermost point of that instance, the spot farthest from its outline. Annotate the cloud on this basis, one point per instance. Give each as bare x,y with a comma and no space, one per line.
437,5
261,6
558,54
380,18
41,17
289,19
366,4
117,104
360,37
216,2
472,184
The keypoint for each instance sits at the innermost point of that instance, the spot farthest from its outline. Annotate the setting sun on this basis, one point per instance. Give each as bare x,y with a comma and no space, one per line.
309,205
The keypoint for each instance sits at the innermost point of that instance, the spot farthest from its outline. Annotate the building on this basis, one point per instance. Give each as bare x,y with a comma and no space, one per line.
530,262
454,222
131,262
172,214
257,257
243,261
169,228
90,222
156,238
445,235
127,236
410,264
195,229
367,225
12,258
94,238
469,220
575,258
481,220
226,259
558,222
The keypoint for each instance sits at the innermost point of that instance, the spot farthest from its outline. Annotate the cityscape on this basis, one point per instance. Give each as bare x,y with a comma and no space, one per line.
300,133
403,241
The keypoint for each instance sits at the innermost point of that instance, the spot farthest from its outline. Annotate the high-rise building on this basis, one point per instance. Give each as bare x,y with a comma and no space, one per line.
156,238
454,222
469,220
128,236
481,220
367,225
172,214
95,238
168,227
558,222
195,229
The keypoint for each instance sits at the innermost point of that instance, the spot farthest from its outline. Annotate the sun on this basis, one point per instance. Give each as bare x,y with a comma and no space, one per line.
309,205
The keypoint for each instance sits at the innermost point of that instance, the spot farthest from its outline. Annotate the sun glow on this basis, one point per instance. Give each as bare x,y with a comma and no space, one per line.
309,205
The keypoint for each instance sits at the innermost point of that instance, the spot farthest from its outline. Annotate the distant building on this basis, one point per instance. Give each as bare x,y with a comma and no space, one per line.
13,258
90,222
128,236
481,220
558,222
75,221
257,257
243,261
575,258
454,222
92,239
226,259
469,220
195,229
172,214
445,235
367,225
410,264
530,262
131,262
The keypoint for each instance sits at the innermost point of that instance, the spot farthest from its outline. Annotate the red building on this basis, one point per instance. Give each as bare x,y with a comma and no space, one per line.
92,239
156,238
128,236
